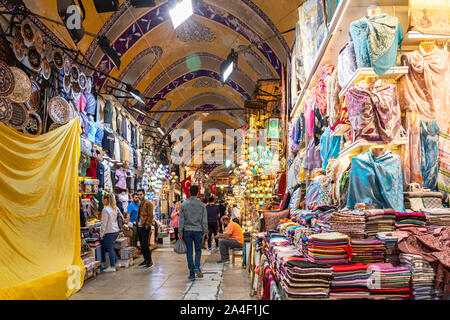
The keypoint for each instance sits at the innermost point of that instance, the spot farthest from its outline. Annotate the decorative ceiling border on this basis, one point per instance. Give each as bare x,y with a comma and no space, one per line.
192,76
182,61
160,14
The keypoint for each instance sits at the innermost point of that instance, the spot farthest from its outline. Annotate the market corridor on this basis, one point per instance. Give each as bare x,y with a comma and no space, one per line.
168,280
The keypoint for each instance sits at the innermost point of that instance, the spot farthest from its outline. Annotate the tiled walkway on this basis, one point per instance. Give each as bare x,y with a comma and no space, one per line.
168,280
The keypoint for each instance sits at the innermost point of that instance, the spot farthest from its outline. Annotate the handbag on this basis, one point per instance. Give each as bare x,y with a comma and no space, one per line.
120,220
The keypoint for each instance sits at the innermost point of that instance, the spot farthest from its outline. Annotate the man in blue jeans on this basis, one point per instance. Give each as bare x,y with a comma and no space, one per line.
193,228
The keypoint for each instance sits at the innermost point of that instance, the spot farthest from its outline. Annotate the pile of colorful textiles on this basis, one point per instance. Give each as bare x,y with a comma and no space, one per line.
368,251
329,248
350,282
389,282
389,240
351,223
379,220
299,234
408,221
306,280
422,276
437,217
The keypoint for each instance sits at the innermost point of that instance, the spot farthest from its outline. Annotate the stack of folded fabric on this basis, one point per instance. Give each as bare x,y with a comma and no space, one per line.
306,280
301,233
351,223
350,282
329,248
389,282
379,220
368,251
437,217
422,276
390,240
409,221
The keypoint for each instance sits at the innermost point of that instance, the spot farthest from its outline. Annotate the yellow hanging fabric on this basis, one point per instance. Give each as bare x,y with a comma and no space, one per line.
39,214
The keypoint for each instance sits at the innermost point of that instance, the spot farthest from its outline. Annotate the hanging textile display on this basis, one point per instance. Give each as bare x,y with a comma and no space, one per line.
430,17
429,134
39,214
443,179
411,156
424,90
376,181
376,41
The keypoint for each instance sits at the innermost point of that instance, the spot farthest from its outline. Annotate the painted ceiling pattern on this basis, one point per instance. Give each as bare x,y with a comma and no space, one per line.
195,32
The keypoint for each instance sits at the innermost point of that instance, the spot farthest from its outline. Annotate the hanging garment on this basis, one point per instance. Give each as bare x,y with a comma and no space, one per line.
376,41
425,89
100,112
92,130
121,175
116,149
329,147
333,105
101,175
108,113
320,90
374,111
99,134
376,181
320,125
124,130
346,64
411,152
312,158
337,170
39,214
443,179
108,185
429,135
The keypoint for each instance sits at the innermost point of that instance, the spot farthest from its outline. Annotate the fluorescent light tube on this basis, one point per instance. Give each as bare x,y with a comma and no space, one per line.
228,71
162,132
181,12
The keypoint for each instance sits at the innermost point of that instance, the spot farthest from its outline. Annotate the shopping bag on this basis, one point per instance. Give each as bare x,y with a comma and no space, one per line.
180,246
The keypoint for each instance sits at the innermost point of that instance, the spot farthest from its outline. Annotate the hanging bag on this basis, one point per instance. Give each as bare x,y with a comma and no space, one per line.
180,247
120,220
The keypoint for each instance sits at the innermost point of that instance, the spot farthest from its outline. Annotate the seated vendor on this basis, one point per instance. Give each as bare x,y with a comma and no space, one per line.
232,238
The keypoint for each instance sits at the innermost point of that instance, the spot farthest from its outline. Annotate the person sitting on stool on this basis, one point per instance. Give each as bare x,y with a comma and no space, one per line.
232,238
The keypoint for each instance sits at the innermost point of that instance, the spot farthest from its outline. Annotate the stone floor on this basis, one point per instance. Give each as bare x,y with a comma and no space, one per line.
167,280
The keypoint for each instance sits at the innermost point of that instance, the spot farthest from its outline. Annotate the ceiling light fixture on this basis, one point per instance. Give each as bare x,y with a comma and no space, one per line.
135,94
109,51
160,130
142,3
180,12
227,67
136,109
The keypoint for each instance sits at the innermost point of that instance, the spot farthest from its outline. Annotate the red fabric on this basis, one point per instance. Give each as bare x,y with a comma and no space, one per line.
351,267
283,203
186,184
213,189
282,185
92,171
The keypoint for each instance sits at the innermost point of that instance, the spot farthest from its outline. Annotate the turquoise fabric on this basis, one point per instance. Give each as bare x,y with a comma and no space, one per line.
329,147
376,181
429,136
376,42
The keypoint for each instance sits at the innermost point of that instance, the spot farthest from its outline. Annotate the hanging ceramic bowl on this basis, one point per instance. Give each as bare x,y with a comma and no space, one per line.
58,58
46,69
28,32
59,110
19,47
38,42
5,110
7,81
55,125
34,125
22,86
67,65
74,73
67,84
20,117
82,81
34,59
35,101
89,84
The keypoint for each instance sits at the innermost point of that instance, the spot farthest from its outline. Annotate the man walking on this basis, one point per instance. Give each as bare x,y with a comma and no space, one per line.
132,210
193,228
232,238
144,222
213,214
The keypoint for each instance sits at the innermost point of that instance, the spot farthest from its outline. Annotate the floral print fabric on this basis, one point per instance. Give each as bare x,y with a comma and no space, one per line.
374,111
429,135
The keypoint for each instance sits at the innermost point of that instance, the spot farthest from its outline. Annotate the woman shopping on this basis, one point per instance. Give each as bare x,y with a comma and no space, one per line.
109,230
174,216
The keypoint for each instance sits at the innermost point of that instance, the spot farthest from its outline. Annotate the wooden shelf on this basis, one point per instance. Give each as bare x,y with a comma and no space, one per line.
394,73
359,145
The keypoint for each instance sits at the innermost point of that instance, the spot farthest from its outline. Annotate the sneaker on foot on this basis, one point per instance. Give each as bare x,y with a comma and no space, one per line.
148,265
223,261
198,273
143,263
209,249
191,277
110,269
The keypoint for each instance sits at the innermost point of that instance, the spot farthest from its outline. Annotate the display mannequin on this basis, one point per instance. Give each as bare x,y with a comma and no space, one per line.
428,46
373,11
378,151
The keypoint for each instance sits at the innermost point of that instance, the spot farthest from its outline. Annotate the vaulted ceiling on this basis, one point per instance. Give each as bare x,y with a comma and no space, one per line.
182,66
